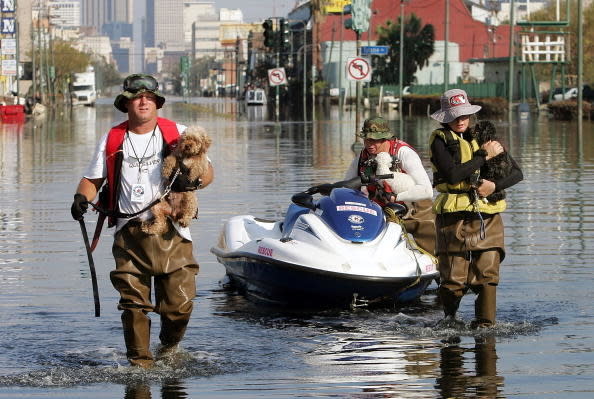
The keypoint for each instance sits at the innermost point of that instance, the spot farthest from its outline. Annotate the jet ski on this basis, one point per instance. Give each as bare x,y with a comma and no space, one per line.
341,249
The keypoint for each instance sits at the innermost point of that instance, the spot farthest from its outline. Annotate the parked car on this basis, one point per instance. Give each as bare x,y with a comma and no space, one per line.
559,95
392,99
587,93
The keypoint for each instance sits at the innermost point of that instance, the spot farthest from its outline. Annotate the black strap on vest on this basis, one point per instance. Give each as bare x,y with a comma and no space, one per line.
453,147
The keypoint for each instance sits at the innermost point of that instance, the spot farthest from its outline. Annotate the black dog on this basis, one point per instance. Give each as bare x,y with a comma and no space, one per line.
496,167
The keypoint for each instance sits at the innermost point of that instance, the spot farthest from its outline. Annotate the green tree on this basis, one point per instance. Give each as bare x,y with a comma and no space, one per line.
106,73
63,59
418,46
200,69
67,60
202,66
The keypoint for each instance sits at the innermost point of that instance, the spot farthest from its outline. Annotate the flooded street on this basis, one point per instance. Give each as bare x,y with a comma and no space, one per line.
52,346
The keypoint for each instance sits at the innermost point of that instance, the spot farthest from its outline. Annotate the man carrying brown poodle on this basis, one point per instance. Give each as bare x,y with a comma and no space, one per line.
128,160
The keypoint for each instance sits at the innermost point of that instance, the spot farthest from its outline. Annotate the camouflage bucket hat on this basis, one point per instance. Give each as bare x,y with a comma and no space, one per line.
137,84
376,128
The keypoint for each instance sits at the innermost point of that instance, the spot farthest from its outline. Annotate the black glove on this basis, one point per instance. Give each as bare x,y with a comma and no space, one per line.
79,206
182,183
323,189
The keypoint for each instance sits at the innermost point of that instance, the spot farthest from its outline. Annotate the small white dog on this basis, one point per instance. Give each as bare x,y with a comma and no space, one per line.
401,181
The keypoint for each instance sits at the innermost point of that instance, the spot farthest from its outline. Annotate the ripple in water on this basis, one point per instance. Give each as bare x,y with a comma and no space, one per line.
74,369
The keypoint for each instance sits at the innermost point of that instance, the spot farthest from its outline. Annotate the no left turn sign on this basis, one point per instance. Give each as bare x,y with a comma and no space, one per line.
358,69
277,76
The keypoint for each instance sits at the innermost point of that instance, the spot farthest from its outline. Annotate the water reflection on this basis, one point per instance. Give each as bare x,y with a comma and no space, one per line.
170,389
458,380
48,337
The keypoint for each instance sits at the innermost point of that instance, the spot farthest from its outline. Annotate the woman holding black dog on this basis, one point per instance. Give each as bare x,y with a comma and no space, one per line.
469,227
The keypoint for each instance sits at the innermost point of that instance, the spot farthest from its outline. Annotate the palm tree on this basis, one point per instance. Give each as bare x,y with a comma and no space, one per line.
418,47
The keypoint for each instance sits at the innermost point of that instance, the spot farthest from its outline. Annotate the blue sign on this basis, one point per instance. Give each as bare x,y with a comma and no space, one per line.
8,26
7,5
375,50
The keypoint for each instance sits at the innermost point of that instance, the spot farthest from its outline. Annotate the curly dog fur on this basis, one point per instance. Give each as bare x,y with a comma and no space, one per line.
401,181
496,167
181,207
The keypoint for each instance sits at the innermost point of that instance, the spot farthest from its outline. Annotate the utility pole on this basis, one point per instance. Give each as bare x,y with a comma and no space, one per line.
304,73
340,65
361,16
277,44
580,71
193,60
510,85
33,72
358,86
446,67
401,67
16,24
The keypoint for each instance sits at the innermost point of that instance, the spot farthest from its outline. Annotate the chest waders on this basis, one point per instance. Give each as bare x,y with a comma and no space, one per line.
468,248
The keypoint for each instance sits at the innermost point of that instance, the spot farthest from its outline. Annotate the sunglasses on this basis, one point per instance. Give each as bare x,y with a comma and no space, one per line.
136,83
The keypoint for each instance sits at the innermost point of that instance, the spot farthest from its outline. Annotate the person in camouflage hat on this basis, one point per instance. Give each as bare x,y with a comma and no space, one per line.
127,167
376,128
377,138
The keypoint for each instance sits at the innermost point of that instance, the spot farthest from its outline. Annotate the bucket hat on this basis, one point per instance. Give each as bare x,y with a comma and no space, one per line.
375,128
454,103
137,84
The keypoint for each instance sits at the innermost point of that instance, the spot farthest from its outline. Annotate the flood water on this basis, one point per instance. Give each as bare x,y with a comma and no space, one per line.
52,346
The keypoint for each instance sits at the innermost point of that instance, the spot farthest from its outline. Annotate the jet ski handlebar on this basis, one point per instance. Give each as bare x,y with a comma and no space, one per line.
305,198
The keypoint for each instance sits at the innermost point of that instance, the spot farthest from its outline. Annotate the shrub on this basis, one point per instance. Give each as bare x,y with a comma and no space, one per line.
567,110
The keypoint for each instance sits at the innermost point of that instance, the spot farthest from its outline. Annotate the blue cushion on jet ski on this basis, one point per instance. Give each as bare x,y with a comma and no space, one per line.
293,212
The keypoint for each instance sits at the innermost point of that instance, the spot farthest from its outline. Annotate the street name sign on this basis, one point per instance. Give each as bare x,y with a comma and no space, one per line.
375,50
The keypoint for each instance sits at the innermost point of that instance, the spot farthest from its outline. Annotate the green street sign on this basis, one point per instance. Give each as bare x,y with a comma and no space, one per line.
184,63
361,14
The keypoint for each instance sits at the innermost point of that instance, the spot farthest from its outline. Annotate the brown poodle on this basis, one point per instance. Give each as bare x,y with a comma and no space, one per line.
181,207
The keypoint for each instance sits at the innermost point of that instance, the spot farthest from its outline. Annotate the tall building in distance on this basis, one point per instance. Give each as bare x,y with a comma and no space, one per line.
169,30
94,13
122,11
65,13
149,26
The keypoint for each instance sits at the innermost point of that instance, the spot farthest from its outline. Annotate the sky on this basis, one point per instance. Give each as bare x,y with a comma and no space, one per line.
257,10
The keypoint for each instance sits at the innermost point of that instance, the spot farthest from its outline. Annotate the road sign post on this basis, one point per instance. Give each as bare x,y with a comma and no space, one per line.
277,77
361,14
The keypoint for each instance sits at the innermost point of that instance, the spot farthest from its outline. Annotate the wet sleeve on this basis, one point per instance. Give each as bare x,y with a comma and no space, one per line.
514,177
412,165
444,162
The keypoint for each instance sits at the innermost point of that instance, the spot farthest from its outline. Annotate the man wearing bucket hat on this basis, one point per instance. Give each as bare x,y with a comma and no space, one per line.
377,138
469,229
128,160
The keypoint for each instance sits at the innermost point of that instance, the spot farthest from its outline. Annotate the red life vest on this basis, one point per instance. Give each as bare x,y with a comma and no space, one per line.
395,146
114,157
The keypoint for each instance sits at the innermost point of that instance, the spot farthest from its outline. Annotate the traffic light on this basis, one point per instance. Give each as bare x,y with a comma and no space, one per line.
284,34
268,33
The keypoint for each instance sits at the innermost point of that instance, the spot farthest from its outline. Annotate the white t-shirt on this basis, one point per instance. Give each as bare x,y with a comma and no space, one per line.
141,181
411,164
